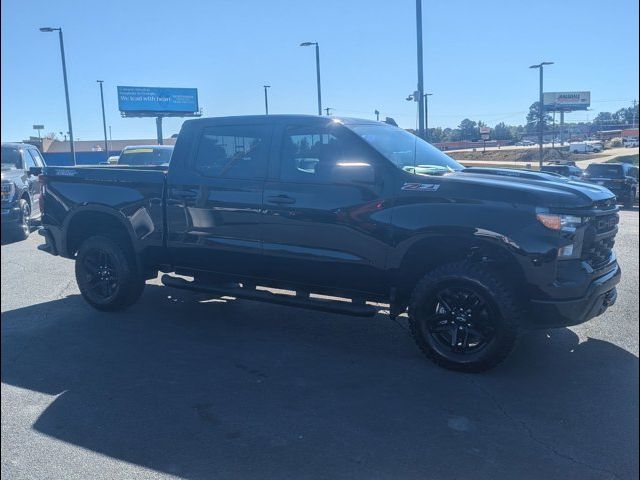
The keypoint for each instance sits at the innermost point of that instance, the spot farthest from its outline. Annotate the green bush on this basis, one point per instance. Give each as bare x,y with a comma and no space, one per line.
616,142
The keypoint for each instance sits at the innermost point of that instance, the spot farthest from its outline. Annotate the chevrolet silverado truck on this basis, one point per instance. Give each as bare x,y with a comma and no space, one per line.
341,212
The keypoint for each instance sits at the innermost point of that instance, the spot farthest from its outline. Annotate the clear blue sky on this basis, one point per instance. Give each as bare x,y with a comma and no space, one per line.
476,58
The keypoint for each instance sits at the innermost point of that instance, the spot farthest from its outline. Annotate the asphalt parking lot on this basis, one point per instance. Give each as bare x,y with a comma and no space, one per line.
180,386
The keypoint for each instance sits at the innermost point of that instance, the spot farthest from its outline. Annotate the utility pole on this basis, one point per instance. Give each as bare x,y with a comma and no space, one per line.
266,100
420,73
634,114
327,110
426,115
377,115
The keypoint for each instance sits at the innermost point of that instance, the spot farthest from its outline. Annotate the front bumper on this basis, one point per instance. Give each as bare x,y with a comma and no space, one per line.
10,213
600,295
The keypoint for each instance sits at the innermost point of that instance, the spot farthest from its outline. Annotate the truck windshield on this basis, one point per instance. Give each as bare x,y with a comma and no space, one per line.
406,150
11,158
145,156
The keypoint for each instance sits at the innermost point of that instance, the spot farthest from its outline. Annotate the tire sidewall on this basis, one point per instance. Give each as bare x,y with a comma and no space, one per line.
128,279
501,304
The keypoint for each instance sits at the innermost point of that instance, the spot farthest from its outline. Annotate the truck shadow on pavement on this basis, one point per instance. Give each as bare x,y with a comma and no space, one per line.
205,390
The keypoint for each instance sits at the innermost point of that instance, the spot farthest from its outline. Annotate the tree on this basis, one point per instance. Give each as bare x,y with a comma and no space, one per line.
502,131
468,129
533,118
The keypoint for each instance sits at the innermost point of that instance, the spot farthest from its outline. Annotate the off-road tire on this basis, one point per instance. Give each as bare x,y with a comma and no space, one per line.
129,282
507,318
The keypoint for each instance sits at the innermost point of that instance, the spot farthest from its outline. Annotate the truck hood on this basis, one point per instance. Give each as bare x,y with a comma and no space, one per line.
536,188
10,174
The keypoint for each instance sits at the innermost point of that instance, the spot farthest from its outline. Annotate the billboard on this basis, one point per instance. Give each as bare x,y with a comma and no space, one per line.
567,100
153,101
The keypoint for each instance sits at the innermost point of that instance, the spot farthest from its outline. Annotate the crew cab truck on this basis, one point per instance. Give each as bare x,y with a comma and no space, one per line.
340,208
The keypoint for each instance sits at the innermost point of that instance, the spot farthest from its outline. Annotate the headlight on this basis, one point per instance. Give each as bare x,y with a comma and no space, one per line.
8,190
565,223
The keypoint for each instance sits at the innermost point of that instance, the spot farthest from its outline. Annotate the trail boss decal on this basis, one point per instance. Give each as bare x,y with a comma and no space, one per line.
431,187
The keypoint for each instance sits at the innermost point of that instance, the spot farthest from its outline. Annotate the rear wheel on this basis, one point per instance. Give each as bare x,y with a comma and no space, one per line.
630,199
463,318
107,274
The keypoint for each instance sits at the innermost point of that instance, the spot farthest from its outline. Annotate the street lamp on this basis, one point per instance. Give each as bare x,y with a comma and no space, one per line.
266,99
66,86
104,120
540,66
426,115
308,44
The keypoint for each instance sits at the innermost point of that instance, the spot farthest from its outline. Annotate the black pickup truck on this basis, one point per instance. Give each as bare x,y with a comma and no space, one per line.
328,207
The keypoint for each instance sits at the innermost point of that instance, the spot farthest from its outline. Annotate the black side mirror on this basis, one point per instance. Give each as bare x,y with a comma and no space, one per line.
35,171
353,172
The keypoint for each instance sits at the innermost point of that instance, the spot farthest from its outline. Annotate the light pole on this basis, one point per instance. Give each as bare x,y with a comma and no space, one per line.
66,86
426,115
308,44
420,84
110,139
104,120
377,115
266,99
540,66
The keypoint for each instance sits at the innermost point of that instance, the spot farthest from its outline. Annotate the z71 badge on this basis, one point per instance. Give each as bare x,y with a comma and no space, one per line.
431,187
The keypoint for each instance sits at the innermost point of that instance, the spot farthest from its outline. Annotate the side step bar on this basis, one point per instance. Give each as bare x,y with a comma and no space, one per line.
331,306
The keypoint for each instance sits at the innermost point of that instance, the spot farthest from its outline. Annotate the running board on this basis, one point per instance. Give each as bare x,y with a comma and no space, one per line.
331,306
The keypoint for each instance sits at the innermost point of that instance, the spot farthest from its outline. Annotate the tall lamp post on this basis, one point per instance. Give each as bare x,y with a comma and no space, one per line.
66,86
426,115
540,66
420,73
308,44
266,99
104,120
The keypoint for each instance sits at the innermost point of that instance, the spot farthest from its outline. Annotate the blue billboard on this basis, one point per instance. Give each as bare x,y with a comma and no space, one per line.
157,100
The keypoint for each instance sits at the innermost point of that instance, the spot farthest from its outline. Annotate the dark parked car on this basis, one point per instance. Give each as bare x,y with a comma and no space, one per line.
327,206
569,171
159,155
20,189
620,178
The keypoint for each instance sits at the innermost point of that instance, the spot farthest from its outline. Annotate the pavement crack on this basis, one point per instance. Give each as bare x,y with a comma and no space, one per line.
535,439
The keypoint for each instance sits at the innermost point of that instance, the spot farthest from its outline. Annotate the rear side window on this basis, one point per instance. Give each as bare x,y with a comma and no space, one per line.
239,151
604,170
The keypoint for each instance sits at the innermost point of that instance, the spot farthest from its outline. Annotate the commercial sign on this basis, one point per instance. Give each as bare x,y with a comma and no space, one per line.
484,133
567,100
157,100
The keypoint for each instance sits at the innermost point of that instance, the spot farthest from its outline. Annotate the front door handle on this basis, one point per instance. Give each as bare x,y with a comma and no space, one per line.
281,200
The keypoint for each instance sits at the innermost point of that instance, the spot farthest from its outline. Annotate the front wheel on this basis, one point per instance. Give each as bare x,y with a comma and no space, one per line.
23,227
464,318
107,275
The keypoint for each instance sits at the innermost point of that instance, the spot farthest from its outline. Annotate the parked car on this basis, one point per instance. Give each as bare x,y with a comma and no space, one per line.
620,178
159,155
584,147
525,143
632,143
20,189
113,160
569,171
326,206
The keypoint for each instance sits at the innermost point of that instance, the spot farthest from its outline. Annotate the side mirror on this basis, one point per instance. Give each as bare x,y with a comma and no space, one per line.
35,171
353,172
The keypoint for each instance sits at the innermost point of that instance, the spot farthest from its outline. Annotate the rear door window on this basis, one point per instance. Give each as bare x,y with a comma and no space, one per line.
238,151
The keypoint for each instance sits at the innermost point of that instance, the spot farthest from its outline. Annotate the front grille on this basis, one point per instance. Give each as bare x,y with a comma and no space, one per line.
599,239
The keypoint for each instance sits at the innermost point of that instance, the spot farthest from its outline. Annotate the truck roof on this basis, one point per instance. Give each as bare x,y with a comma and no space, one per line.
283,118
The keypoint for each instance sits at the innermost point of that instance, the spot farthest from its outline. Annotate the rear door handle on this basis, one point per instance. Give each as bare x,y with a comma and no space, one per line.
281,200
